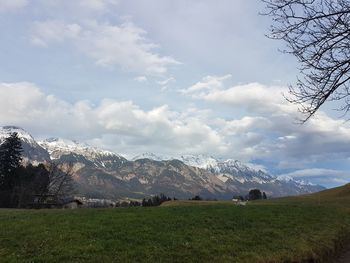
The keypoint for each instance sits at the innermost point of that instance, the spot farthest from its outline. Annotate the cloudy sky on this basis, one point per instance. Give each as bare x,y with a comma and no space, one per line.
169,77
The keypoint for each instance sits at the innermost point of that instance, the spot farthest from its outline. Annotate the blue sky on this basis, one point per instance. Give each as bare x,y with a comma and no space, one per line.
169,77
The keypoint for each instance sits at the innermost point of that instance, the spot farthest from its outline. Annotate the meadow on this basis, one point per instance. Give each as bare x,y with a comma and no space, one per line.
301,229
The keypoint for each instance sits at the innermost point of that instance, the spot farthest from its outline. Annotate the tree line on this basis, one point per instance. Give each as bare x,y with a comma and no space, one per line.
155,200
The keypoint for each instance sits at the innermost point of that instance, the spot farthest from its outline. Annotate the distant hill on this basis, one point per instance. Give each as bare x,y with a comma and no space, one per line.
338,196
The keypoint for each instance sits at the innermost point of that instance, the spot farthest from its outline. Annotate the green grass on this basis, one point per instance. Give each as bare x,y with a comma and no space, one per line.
183,203
284,230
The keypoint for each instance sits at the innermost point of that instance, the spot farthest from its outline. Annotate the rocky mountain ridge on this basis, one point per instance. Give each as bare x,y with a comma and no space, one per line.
70,150
104,174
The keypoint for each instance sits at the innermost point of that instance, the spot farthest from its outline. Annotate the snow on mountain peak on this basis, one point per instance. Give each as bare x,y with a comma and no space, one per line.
31,150
200,161
5,132
287,178
151,156
58,147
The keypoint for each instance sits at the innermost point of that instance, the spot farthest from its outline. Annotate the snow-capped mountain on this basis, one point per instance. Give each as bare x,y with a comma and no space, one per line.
73,151
240,178
225,168
288,178
104,174
237,169
200,161
150,156
247,176
32,151
5,131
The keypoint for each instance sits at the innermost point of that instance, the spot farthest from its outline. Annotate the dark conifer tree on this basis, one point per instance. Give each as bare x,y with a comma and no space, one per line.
155,200
264,195
10,161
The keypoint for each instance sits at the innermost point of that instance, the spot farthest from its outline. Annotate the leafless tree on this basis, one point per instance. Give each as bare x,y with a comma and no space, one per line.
61,183
317,33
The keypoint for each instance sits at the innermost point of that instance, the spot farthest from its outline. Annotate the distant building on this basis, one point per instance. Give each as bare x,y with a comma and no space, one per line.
51,201
44,201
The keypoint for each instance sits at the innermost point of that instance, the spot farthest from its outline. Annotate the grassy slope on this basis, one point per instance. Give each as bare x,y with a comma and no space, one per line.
183,203
292,229
339,196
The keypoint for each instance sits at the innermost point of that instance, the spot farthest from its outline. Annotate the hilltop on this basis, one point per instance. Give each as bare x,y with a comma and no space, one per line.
338,196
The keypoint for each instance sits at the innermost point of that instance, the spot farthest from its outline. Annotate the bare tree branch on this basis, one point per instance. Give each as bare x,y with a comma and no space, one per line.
61,182
317,33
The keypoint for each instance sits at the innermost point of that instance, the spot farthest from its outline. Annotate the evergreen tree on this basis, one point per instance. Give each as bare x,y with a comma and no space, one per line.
264,195
163,198
10,161
155,200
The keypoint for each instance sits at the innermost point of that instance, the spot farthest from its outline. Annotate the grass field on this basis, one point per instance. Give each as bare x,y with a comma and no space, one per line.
284,230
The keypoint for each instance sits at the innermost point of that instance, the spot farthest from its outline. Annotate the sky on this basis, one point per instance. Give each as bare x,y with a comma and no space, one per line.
167,77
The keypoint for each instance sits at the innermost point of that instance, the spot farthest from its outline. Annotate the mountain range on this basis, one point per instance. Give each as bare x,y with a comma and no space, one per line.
106,175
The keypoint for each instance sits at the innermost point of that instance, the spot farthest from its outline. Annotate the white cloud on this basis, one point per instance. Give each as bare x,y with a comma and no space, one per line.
141,79
233,127
166,81
269,130
80,8
12,5
126,128
109,45
54,31
252,96
207,84
96,4
120,125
